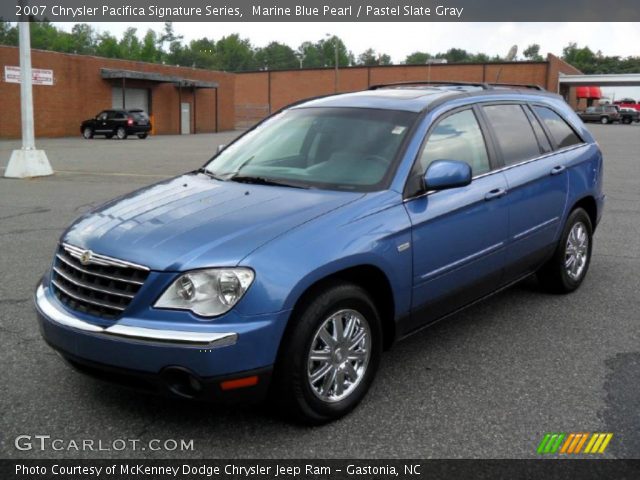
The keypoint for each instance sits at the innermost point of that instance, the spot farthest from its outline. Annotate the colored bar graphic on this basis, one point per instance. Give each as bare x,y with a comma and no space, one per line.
572,443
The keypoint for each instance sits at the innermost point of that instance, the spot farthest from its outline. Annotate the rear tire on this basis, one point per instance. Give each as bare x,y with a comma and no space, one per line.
604,120
566,270
142,136
87,133
329,355
121,133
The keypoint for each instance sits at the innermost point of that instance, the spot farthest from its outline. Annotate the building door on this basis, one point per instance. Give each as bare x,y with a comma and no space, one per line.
133,98
185,118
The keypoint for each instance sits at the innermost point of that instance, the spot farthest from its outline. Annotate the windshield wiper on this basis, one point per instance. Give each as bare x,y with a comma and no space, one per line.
210,174
263,181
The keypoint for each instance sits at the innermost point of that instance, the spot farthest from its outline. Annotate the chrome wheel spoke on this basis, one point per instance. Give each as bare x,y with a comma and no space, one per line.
576,251
339,355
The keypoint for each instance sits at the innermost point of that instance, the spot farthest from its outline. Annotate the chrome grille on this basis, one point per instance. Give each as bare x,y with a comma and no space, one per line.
95,284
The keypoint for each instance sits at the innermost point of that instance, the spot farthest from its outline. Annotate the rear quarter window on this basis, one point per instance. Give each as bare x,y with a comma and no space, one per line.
562,134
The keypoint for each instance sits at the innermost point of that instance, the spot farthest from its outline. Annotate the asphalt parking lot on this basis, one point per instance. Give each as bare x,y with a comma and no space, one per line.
487,383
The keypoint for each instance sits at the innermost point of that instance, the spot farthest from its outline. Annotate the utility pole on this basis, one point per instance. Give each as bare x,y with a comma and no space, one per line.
28,161
335,50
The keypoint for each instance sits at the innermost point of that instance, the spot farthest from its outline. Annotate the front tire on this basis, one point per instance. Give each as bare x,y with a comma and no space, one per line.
566,270
87,133
604,120
329,356
121,133
142,136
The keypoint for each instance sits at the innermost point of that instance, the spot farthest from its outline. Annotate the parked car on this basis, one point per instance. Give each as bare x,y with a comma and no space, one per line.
337,226
118,123
628,115
601,113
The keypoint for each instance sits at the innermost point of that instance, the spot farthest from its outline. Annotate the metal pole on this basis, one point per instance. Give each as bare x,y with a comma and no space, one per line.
27,162
335,81
26,90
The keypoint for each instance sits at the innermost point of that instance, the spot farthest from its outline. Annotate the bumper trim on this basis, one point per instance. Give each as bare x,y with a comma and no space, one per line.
175,337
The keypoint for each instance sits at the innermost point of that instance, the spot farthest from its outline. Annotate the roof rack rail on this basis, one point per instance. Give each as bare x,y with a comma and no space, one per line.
518,85
482,85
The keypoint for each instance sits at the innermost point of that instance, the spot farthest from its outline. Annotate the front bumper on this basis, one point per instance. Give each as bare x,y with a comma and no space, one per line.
211,353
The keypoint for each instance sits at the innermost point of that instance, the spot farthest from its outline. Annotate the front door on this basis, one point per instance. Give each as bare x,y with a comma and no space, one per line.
458,235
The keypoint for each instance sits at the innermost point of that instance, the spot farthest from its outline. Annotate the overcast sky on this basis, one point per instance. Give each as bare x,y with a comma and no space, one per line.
401,39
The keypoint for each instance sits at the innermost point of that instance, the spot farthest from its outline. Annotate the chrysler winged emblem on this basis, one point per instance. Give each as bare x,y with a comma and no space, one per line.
85,257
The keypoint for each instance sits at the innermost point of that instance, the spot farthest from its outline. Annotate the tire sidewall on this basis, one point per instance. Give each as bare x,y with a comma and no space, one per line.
87,133
124,133
335,299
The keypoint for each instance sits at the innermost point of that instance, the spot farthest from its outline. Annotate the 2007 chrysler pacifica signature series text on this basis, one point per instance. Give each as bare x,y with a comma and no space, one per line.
302,250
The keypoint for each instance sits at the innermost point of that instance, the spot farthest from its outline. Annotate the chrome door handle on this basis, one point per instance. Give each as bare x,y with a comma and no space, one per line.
558,169
495,193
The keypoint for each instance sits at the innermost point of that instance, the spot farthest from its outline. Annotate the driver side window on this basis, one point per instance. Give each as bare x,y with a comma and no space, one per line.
457,137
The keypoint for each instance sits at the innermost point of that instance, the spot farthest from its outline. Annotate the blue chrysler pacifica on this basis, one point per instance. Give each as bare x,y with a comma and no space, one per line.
290,261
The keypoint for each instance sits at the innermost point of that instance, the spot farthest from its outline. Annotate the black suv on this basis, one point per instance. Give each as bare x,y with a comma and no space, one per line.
120,123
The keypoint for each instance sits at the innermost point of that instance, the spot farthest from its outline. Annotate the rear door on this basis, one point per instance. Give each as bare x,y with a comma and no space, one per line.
458,235
537,181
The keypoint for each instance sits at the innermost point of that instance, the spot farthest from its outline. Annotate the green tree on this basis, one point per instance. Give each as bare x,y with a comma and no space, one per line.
311,55
8,34
129,45
83,39
369,58
107,46
234,54
417,58
455,55
203,52
532,52
276,56
327,47
149,49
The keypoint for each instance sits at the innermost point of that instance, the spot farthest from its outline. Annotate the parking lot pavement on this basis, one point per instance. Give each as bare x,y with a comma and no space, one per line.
488,382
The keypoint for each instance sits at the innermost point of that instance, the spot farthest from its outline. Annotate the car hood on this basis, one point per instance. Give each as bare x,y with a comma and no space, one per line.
193,221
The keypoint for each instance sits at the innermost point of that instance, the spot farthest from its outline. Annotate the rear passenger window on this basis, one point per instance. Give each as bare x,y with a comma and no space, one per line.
513,131
457,137
562,134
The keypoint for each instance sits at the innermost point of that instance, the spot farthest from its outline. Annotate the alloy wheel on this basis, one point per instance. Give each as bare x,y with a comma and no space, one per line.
339,355
576,251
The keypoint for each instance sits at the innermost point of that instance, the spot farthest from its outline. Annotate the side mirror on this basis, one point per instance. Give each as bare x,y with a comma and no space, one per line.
444,174
221,147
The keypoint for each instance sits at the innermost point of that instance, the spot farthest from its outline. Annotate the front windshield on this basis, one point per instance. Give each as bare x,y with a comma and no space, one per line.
333,148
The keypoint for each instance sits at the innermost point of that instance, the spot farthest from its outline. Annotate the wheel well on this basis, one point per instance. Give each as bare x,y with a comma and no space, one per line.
588,204
375,282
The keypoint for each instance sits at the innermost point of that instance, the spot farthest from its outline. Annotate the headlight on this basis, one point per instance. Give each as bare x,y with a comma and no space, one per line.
208,293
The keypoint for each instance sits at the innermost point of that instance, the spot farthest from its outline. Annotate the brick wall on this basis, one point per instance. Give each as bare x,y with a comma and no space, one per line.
257,91
79,92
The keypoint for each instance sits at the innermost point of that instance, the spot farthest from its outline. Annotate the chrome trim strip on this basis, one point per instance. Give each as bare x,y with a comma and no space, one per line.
99,259
457,263
507,167
82,298
88,286
174,337
534,228
103,275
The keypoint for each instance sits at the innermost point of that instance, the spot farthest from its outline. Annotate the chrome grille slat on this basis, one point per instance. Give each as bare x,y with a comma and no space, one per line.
103,275
82,298
89,286
93,283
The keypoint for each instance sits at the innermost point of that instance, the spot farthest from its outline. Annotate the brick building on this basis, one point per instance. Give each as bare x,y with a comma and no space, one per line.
189,100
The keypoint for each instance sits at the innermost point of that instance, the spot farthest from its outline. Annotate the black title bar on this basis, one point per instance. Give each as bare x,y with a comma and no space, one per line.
321,10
